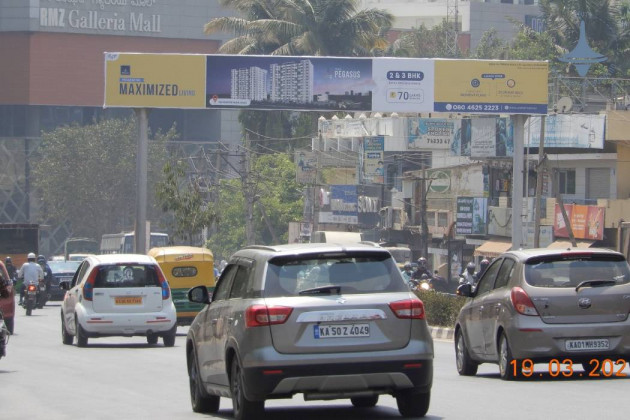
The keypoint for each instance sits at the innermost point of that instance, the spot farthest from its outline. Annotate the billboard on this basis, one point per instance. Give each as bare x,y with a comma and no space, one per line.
325,83
373,167
585,131
471,215
483,137
587,222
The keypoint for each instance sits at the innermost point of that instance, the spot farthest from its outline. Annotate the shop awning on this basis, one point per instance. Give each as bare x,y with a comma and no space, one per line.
567,244
492,249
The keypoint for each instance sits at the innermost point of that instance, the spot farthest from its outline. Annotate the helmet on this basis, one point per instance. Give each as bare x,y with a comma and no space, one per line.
31,256
407,265
8,260
41,259
470,267
484,263
422,261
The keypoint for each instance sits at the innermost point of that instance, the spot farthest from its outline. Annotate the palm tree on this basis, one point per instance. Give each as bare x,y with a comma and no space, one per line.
302,27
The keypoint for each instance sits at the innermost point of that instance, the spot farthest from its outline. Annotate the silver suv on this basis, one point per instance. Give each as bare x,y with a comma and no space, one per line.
324,320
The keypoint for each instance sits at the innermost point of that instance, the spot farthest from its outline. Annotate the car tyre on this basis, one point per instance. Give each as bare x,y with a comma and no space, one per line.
508,368
243,408
169,337
413,404
65,337
364,402
152,339
465,365
9,322
199,399
82,339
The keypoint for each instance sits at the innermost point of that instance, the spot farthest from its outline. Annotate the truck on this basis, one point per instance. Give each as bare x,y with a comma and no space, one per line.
17,240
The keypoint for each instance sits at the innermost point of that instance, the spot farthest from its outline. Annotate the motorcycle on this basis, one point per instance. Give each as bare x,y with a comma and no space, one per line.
31,298
4,336
42,295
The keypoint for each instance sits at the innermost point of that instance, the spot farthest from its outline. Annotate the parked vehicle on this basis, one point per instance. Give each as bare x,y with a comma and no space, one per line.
118,295
543,305
7,303
62,272
327,321
185,267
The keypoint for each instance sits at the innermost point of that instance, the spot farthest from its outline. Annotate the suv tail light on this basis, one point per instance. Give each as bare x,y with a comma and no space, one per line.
408,308
88,287
522,303
166,290
260,315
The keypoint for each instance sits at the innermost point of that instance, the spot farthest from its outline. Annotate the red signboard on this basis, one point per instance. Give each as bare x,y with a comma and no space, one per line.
587,222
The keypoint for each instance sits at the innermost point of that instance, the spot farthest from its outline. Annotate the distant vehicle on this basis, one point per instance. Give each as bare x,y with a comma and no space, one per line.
329,236
185,267
118,295
62,271
326,321
532,306
78,257
83,246
17,240
123,243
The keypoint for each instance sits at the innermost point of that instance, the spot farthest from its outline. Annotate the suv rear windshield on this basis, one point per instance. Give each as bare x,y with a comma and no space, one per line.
571,270
136,275
348,273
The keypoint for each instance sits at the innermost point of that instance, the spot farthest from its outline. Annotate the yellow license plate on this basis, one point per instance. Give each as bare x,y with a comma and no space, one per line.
128,300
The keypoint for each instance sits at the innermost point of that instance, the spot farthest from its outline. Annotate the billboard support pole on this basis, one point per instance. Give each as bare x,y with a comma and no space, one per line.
140,243
517,180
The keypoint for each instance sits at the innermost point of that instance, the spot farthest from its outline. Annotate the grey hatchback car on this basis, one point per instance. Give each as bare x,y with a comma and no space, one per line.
323,320
560,307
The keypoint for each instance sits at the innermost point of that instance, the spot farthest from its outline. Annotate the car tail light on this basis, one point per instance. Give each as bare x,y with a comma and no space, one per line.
522,303
260,315
88,287
408,309
166,290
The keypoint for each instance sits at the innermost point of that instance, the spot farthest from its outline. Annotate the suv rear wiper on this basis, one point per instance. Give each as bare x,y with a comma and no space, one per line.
321,290
595,283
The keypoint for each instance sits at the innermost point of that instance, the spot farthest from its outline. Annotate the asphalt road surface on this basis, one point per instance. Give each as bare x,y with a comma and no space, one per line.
124,378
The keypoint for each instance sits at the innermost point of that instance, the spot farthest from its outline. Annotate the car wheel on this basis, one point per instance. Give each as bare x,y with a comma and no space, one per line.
364,402
465,365
201,402
152,339
65,337
508,367
413,404
243,408
9,323
169,337
82,339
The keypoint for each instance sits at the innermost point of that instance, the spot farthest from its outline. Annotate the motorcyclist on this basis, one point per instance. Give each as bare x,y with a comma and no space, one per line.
468,276
407,271
439,282
483,265
11,269
48,275
31,273
422,269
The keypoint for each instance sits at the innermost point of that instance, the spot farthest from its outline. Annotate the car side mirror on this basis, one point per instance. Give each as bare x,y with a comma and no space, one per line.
199,294
465,290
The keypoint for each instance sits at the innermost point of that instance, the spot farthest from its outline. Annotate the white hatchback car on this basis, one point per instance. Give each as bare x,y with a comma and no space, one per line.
118,295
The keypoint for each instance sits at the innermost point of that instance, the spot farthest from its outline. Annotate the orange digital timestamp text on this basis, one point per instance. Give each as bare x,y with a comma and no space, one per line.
564,368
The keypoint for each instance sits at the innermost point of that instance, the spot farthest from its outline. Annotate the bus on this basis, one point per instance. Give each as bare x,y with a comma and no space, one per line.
83,246
123,243
17,240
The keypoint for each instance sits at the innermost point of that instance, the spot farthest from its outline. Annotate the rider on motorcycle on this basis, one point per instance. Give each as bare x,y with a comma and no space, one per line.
48,275
31,272
11,269
422,269
468,276
407,271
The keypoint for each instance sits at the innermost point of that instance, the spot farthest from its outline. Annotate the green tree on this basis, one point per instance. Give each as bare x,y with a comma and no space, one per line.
490,46
302,27
422,42
275,194
183,197
86,175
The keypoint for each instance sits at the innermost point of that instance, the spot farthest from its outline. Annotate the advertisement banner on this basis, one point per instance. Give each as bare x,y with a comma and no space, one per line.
373,169
483,137
344,204
306,167
587,222
431,133
471,215
154,80
491,86
584,131
380,84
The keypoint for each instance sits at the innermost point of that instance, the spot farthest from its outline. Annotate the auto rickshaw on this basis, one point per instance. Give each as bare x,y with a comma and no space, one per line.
185,267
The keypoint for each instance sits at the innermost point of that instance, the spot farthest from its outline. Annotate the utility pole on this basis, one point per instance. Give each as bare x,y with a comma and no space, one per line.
248,196
540,168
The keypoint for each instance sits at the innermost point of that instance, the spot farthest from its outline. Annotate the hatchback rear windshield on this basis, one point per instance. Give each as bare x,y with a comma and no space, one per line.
136,275
351,273
572,270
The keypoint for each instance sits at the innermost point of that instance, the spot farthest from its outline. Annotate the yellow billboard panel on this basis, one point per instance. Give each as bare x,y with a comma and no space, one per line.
509,87
155,80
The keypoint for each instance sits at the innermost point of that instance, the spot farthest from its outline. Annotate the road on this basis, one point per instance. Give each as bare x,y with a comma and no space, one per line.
123,378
